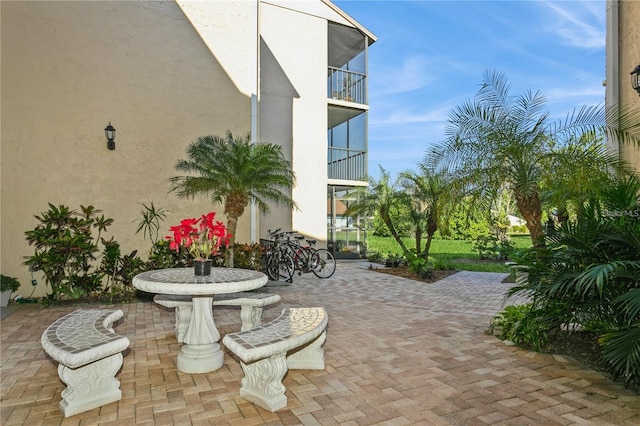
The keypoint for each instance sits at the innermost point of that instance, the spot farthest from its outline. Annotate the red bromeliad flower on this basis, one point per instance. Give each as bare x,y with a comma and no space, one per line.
203,237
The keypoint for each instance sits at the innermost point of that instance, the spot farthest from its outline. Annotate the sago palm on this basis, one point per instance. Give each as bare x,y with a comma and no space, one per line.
234,172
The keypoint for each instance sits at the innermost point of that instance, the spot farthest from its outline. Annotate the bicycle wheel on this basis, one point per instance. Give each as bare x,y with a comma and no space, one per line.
323,263
281,268
272,268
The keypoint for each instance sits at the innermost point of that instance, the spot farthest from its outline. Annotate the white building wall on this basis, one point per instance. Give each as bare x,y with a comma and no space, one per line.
230,31
293,110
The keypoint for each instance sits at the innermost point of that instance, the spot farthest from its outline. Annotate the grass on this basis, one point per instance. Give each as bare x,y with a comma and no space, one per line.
455,253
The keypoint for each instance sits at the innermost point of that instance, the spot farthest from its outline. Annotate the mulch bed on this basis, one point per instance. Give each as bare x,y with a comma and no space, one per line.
406,273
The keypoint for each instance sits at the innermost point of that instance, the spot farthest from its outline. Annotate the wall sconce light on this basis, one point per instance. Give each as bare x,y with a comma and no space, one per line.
635,79
110,133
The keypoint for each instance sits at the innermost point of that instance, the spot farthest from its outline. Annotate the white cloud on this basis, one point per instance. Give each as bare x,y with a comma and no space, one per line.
579,24
412,74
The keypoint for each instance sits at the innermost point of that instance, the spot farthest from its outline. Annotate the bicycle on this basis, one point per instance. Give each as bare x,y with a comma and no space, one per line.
309,259
278,264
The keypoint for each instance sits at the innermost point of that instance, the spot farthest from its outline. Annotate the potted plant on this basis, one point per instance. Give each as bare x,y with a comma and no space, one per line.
7,286
203,238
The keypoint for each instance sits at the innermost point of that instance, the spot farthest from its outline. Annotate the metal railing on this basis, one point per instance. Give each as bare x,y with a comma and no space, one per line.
347,85
346,164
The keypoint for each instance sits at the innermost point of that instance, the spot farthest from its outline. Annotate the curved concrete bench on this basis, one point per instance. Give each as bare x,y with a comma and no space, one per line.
263,353
89,353
250,303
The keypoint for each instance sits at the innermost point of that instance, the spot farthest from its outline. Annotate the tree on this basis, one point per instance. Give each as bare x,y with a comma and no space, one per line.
379,197
427,194
498,139
234,172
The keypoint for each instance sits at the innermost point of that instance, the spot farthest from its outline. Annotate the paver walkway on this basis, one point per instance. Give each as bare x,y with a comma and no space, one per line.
398,352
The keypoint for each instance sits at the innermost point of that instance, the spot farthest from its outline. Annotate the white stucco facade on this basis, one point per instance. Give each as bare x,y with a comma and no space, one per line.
163,73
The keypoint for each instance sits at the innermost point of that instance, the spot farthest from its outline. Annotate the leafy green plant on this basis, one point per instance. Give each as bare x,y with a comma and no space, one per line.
419,265
375,257
149,223
591,269
66,248
249,256
521,325
395,260
440,265
162,256
77,262
492,247
119,272
9,283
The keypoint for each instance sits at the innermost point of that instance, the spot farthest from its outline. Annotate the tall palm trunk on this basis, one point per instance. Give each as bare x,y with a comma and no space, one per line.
232,225
384,214
418,234
432,227
530,208
233,209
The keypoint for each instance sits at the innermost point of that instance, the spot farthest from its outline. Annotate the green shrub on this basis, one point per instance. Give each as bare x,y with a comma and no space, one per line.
521,325
375,257
248,256
418,264
77,262
66,249
440,265
9,283
395,260
119,271
494,248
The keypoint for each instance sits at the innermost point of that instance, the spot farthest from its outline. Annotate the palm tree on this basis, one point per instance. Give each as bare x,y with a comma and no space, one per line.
427,194
234,172
589,273
498,139
379,197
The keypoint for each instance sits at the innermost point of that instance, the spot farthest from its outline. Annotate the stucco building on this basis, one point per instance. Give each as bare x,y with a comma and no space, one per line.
623,56
163,73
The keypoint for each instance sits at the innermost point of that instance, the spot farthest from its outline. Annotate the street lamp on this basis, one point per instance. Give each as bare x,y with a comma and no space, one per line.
635,79
110,133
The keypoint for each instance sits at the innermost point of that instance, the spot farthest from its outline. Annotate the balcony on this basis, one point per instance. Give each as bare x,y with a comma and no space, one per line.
347,164
344,85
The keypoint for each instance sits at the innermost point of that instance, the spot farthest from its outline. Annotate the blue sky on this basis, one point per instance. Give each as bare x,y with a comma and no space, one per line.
430,57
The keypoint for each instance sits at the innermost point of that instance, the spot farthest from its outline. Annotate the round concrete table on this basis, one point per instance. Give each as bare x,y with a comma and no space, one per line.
201,352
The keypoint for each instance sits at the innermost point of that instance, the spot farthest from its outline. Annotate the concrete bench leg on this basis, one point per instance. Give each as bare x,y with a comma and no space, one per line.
90,386
251,317
262,382
310,357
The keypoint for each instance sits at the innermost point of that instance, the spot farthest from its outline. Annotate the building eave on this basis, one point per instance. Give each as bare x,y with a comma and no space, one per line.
370,36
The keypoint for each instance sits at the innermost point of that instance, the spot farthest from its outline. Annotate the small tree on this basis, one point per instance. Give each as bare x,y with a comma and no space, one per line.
379,197
234,172
427,193
497,139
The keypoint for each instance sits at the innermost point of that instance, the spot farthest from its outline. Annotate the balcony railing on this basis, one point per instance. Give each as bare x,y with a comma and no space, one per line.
347,85
346,164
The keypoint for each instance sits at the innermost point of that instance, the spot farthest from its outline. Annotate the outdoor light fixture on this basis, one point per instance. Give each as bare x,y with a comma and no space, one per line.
635,79
110,133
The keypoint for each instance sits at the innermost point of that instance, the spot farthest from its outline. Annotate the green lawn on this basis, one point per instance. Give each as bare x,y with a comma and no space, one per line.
457,254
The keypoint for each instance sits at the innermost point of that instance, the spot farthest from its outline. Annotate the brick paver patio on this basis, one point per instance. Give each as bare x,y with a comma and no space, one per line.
398,352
